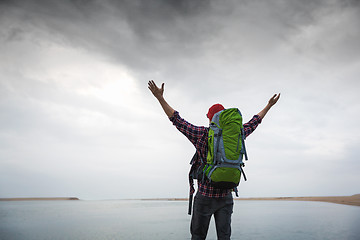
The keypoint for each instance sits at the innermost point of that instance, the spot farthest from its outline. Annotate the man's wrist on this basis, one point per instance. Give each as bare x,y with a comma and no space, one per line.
161,99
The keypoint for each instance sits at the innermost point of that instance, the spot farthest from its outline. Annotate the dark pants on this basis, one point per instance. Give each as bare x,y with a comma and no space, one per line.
204,208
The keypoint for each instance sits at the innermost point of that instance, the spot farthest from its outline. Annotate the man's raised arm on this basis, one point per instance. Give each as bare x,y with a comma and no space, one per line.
271,103
159,94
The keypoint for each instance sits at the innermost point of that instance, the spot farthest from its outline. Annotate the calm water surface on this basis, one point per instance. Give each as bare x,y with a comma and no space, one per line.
128,220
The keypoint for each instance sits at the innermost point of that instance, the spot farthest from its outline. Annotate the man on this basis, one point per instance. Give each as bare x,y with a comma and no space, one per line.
208,200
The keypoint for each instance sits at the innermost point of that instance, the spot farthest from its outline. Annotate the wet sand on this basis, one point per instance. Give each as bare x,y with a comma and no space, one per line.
353,200
40,199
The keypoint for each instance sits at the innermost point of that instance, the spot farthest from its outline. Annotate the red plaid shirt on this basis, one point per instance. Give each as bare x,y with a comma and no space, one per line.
198,136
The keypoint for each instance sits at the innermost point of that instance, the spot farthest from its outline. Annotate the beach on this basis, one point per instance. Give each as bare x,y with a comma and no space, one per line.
353,200
40,199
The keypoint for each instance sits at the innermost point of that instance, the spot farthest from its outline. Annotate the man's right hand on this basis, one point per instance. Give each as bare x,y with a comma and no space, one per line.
157,92
274,99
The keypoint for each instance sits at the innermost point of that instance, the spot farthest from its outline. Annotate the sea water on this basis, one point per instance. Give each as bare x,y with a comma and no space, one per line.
149,220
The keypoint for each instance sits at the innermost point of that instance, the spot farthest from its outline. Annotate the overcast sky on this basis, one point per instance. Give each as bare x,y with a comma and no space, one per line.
77,119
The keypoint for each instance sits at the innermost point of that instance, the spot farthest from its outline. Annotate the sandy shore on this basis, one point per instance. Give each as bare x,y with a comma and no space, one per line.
353,200
40,199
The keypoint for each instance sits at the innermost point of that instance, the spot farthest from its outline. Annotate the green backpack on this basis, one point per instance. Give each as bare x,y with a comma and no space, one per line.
226,148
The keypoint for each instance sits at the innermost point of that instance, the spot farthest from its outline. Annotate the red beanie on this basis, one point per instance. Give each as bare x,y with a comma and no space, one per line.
214,109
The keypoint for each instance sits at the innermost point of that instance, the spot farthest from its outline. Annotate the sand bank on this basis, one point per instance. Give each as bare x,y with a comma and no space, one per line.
40,199
353,200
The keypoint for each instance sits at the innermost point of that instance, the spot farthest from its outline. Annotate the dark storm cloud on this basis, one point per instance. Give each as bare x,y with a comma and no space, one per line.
132,32
189,41
217,37
145,35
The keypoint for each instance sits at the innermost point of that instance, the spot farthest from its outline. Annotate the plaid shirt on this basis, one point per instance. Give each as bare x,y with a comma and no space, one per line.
198,136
